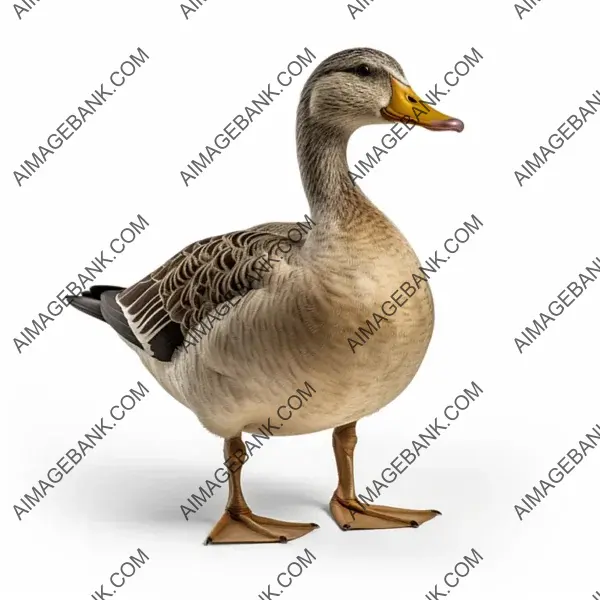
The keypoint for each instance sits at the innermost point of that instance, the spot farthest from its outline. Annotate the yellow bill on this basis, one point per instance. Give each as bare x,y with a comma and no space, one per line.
407,107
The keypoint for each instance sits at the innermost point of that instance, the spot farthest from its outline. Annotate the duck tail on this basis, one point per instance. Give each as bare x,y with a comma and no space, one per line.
89,301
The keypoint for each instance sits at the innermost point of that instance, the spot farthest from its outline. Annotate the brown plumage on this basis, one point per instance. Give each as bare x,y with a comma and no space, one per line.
291,322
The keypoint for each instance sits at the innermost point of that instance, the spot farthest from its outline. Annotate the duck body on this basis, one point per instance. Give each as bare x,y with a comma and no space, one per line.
232,378
294,325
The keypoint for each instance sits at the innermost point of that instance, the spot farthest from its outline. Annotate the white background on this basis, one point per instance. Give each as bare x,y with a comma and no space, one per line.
126,160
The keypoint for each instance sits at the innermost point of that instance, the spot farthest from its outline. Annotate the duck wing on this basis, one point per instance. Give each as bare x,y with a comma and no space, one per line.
156,313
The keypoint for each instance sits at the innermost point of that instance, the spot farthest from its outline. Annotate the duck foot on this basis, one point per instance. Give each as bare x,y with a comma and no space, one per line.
248,528
239,525
351,514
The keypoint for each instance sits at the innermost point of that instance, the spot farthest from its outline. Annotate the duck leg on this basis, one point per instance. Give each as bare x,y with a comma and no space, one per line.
347,511
238,524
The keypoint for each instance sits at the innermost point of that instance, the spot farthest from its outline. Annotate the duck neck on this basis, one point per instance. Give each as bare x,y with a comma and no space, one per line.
332,197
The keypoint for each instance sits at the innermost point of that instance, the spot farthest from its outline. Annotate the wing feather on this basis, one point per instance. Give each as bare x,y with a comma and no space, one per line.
156,313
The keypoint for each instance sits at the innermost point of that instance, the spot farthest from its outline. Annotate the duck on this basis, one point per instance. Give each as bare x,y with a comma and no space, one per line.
298,301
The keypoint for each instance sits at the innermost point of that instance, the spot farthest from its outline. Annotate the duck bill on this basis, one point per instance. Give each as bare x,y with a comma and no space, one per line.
407,107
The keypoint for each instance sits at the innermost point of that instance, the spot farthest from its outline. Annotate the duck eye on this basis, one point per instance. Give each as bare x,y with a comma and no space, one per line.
363,70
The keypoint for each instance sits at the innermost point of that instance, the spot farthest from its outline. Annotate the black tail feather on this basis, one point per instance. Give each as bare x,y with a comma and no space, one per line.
89,301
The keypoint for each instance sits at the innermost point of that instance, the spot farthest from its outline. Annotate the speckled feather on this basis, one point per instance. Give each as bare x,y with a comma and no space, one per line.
293,327
197,281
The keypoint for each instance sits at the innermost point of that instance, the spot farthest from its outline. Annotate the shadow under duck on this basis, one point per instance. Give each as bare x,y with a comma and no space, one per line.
292,324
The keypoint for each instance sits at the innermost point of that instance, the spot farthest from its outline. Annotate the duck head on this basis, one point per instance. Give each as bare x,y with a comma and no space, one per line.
362,87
